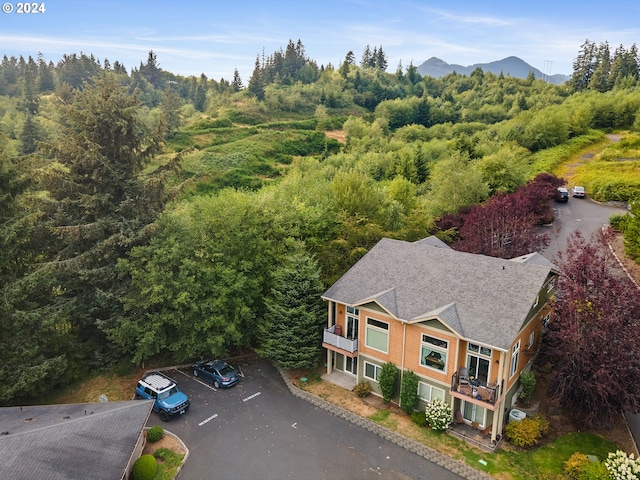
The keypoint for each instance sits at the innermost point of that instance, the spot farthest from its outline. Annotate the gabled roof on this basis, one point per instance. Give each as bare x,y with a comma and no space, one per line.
68,442
484,299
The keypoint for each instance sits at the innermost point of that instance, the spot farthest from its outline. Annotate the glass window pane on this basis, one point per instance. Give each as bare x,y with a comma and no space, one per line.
370,370
437,393
424,391
377,339
433,358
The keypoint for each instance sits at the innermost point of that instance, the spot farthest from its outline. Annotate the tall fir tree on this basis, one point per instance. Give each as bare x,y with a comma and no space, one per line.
291,333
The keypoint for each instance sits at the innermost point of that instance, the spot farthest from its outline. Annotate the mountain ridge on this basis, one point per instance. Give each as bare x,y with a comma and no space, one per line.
513,66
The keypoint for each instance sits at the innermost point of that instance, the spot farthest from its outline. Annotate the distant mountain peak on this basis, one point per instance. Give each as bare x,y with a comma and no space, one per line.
512,65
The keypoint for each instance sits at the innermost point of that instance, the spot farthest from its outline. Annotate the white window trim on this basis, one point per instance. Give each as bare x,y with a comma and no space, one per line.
431,389
382,330
515,359
376,368
532,338
551,285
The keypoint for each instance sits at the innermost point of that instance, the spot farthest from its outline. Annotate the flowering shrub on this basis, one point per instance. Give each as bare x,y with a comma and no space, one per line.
438,415
622,466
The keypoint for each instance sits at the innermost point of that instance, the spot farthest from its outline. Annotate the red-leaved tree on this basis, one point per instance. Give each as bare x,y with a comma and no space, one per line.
594,338
506,225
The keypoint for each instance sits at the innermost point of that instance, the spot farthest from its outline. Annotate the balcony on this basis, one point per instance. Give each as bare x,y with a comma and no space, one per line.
481,393
338,343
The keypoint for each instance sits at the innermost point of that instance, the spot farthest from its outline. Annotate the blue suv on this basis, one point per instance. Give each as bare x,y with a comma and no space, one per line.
168,399
217,372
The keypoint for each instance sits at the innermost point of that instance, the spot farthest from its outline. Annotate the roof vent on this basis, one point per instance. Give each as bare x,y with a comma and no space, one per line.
6,432
503,267
29,419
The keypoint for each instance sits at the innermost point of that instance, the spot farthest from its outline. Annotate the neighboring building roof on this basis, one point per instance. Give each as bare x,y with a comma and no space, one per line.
68,442
482,298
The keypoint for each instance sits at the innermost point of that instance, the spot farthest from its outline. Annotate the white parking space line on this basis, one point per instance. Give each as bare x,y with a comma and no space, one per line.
207,420
251,397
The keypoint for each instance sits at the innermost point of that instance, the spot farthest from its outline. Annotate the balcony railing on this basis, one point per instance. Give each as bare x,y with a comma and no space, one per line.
485,392
343,343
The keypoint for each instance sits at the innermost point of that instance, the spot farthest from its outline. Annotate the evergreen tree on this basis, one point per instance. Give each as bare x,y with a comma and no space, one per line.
237,81
151,71
29,135
45,76
256,84
381,61
583,66
366,57
600,79
291,334
100,208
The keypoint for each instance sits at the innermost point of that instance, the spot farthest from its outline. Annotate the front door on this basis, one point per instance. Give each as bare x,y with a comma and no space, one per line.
473,413
351,365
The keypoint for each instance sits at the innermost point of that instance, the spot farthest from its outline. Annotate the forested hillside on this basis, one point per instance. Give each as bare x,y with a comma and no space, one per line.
151,217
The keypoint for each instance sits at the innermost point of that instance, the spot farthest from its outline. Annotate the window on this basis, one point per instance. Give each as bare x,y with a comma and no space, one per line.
535,304
433,353
532,338
371,371
428,393
377,335
352,322
545,321
478,362
515,353
551,284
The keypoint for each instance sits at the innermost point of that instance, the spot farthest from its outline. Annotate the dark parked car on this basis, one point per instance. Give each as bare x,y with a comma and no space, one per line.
217,372
562,195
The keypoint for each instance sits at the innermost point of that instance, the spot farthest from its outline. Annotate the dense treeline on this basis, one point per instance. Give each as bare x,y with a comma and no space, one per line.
149,216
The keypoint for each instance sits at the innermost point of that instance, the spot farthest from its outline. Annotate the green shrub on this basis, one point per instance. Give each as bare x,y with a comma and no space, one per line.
438,414
155,433
145,468
575,465
527,432
387,380
419,418
618,221
409,391
362,389
528,382
596,471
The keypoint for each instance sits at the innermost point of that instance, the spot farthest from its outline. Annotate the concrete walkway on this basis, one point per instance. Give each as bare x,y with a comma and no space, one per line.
459,468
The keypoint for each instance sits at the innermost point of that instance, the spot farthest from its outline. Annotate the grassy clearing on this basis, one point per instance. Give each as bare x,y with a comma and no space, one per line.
168,463
115,387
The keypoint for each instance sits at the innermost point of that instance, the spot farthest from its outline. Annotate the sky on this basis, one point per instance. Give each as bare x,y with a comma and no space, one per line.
215,37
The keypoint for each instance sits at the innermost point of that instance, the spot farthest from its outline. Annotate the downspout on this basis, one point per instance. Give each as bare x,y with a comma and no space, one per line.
404,341
498,417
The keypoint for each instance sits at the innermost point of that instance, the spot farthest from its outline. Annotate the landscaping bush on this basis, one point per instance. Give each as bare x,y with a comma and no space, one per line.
575,465
145,468
438,414
596,471
387,380
362,389
528,382
419,418
622,466
155,433
409,392
527,432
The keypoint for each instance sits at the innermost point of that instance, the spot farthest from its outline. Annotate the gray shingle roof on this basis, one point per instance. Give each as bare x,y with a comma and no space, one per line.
68,442
484,299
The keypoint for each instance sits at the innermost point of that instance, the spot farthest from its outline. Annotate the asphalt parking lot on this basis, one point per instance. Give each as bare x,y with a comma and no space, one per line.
258,429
